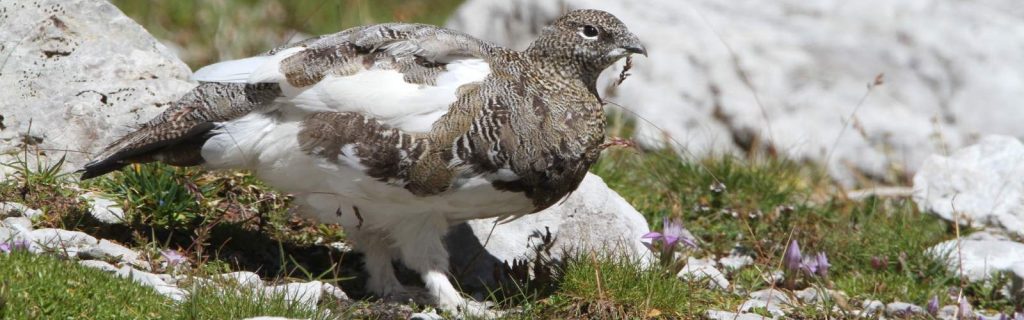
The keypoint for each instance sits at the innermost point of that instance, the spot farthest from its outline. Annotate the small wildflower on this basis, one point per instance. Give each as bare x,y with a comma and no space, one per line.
879,263
965,310
933,305
10,246
173,257
822,259
672,234
792,259
1018,316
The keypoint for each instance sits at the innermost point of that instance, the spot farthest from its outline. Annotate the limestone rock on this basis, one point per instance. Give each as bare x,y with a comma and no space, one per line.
14,209
103,209
155,281
735,261
593,218
775,301
873,308
22,222
979,258
726,76
725,315
75,74
902,309
306,294
981,183
61,241
112,252
97,264
704,269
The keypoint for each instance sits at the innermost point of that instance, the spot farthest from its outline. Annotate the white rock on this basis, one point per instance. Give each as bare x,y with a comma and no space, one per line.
155,281
103,209
948,312
775,301
306,294
242,279
981,183
791,72
60,241
23,222
704,269
725,315
735,261
902,309
14,232
109,251
1016,286
979,259
432,315
15,209
814,295
593,218
333,291
872,308
97,264
86,70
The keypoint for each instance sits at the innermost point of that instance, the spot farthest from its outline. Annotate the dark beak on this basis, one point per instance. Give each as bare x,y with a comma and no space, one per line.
637,48
632,45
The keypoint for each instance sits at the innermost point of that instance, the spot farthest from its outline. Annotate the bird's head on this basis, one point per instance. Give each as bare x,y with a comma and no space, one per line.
589,39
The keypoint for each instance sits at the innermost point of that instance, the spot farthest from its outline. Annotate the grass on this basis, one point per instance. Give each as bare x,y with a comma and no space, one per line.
44,287
229,221
38,287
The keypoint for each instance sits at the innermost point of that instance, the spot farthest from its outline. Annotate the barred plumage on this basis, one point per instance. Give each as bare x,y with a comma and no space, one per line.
413,126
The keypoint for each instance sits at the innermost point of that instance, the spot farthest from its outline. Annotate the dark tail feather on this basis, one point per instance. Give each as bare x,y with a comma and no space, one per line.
177,135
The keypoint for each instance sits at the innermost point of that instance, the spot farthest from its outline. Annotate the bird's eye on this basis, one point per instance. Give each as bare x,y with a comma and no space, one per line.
589,32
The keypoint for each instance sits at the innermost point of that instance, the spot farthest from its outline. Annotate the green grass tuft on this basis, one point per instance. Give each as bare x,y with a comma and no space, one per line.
43,287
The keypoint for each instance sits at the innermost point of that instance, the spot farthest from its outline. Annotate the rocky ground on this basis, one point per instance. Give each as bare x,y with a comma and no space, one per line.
934,229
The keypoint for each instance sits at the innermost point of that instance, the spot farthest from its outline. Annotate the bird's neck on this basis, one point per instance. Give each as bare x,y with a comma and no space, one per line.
564,68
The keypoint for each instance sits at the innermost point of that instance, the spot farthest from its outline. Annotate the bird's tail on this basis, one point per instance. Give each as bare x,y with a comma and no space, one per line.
176,136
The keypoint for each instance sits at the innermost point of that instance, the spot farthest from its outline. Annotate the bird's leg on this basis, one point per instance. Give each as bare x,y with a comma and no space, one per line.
377,259
421,249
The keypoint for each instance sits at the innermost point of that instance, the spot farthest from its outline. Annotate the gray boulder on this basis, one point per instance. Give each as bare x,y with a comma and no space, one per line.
727,76
981,184
75,74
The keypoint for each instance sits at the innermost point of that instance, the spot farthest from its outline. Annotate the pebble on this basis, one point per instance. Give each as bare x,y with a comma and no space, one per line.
155,281
103,209
700,269
15,209
902,309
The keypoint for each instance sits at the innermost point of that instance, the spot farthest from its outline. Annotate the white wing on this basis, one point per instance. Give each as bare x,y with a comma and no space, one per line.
404,75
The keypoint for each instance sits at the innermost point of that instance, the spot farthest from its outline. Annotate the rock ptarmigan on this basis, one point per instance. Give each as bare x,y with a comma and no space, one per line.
398,131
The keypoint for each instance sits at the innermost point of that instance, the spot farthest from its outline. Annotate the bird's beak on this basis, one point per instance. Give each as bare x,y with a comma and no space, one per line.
633,45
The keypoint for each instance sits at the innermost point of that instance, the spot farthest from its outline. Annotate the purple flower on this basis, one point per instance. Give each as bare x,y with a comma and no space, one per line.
672,234
879,263
815,265
822,259
8,247
1018,316
173,257
965,310
933,305
792,259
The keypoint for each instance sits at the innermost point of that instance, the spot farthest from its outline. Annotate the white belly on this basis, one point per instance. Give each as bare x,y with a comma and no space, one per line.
332,191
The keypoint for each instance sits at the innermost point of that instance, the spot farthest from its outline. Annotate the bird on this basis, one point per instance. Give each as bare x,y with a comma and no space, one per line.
398,131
